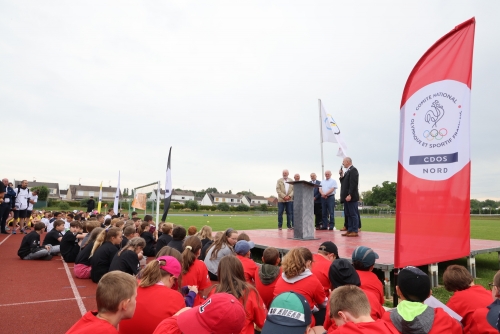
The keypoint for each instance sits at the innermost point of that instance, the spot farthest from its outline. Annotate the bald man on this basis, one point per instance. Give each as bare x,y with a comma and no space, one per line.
349,195
285,200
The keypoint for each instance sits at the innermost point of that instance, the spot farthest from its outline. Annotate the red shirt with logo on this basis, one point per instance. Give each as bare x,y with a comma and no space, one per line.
197,275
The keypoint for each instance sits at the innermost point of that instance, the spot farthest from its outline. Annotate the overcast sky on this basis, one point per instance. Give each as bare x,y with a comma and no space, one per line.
90,88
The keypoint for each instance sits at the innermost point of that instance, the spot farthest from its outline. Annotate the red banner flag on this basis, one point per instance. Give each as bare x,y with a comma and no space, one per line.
433,191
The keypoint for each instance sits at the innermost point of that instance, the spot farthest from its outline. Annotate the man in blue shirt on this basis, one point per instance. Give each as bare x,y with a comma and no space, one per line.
327,191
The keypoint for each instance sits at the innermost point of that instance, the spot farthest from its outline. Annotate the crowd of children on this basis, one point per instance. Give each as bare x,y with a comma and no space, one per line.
196,282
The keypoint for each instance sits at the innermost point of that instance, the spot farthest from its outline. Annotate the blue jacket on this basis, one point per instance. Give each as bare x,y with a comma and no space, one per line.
316,194
11,195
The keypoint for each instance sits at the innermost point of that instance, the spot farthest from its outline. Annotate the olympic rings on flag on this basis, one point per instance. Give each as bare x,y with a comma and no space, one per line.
435,134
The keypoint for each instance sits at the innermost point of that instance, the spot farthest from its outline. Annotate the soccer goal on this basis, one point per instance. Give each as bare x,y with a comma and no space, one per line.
148,198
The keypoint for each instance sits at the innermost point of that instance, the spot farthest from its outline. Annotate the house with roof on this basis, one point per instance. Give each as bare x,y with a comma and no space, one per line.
53,187
254,200
273,201
77,192
63,194
214,199
180,196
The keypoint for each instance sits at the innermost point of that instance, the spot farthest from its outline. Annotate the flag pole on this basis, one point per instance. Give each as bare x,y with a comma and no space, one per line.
158,200
321,141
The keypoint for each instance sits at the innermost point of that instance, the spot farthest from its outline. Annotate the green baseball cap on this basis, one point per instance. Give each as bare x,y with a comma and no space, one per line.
289,313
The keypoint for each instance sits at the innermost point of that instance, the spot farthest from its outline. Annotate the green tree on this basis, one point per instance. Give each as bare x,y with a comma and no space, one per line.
211,190
43,192
384,194
223,207
193,205
263,207
228,192
125,192
64,206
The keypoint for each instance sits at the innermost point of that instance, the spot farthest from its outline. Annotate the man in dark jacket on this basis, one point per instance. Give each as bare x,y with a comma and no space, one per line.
349,195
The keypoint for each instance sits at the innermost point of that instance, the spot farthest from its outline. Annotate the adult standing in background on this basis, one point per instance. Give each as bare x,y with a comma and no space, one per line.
3,190
317,202
90,206
296,177
327,191
349,195
285,200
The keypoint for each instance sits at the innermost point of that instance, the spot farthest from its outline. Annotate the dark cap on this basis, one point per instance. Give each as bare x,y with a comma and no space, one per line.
343,273
289,313
414,284
329,247
365,255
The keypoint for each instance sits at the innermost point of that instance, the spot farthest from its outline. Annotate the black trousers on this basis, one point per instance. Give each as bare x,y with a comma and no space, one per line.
4,214
317,215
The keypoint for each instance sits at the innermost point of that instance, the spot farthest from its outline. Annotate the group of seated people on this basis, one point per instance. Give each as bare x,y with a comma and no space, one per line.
195,282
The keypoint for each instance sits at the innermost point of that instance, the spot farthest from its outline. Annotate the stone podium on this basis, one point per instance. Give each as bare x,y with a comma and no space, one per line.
303,210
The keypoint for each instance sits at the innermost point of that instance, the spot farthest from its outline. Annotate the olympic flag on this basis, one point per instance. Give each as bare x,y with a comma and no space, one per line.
433,191
330,131
168,189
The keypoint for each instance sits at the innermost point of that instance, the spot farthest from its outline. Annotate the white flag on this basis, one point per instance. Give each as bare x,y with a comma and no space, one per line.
331,132
117,196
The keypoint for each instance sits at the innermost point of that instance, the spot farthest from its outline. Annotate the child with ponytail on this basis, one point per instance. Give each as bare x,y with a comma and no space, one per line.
104,249
194,271
127,259
156,300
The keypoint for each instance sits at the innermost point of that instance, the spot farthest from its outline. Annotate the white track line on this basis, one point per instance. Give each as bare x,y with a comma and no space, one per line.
79,300
37,302
5,239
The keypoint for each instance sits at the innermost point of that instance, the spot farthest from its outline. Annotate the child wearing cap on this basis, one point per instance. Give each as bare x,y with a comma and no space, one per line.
222,313
485,320
268,274
343,273
363,260
350,309
289,314
232,281
242,249
411,314
194,271
116,300
156,300
297,276
466,297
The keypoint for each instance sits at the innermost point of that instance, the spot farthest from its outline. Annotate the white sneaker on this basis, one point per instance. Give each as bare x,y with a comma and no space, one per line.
334,228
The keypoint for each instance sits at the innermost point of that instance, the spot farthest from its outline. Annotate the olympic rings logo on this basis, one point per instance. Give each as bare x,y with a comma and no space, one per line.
435,134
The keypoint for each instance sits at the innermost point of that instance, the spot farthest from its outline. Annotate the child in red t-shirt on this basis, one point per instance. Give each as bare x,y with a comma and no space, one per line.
232,280
194,271
350,309
466,297
297,277
221,313
363,260
327,252
343,273
268,274
116,300
156,300
242,249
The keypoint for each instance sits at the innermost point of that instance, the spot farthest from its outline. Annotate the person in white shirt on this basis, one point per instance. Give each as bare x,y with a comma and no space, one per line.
31,201
21,206
327,191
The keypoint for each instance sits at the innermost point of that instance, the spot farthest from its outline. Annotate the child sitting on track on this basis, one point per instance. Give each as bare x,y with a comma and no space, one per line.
103,251
30,246
116,300
82,261
127,259
69,243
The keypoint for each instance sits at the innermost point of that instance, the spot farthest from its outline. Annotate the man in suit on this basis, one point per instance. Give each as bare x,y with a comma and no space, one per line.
349,195
317,202
285,200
